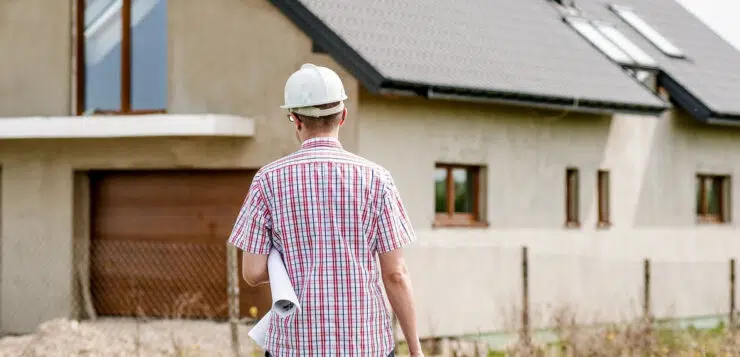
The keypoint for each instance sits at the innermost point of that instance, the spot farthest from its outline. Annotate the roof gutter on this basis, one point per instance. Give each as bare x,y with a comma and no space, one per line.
723,121
519,99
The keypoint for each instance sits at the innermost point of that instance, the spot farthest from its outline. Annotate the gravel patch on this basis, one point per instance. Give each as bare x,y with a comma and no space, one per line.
123,338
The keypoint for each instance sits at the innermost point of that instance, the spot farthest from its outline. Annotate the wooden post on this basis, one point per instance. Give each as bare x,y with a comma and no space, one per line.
646,289
126,50
233,294
732,293
524,334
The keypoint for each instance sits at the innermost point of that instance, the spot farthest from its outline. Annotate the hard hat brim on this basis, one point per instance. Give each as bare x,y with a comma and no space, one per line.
343,98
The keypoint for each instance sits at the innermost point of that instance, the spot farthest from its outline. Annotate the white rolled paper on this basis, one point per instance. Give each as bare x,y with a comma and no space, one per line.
259,331
284,299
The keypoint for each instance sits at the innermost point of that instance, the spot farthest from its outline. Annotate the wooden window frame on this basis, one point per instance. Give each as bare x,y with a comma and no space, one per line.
126,73
572,199
603,191
702,214
452,218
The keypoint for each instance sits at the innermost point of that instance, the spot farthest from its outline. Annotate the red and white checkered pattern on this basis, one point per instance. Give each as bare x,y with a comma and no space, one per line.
330,213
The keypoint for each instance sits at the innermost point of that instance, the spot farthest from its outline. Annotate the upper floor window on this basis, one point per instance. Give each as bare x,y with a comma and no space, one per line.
457,192
121,56
712,198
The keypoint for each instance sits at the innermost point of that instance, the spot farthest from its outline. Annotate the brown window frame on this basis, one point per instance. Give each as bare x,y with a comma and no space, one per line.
572,198
126,51
456,219
603,190
724,198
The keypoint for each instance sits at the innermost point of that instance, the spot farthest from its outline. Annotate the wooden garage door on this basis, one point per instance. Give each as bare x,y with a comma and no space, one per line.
158,243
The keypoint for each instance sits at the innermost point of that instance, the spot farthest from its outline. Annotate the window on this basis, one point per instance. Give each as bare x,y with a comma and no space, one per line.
712,198
121,56
632,50
457,195
602,187
611,42
591,34
647,31
572,197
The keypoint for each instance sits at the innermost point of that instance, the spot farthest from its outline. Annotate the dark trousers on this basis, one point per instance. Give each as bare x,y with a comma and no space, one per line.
393,354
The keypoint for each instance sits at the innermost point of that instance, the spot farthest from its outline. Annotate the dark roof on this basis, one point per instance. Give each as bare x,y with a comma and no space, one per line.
511,50
707,82
521,51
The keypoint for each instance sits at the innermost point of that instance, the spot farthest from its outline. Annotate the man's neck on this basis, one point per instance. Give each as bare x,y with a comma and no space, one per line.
321,141
322,136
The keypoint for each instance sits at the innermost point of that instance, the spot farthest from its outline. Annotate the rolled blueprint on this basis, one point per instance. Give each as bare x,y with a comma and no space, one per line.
284,300
259,331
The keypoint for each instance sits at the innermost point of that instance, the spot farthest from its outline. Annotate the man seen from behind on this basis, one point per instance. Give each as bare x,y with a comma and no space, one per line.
333,216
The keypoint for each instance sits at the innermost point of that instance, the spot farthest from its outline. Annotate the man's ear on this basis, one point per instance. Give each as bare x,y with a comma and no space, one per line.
297,121
344,116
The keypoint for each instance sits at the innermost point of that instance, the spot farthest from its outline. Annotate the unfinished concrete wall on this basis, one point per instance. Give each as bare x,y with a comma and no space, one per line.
35,64
225,57
653,163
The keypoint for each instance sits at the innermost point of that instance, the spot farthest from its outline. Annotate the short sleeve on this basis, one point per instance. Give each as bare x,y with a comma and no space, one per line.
252,230
394,229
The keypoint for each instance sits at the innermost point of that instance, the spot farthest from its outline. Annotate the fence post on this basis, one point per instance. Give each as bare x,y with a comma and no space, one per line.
646,290
525,332
233,296
732,293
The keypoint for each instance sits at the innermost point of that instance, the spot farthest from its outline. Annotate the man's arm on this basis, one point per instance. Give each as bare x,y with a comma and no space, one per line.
252,234
393,232
254,269
401,296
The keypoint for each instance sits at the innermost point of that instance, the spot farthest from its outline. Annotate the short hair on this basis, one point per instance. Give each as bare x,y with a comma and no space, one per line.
324,123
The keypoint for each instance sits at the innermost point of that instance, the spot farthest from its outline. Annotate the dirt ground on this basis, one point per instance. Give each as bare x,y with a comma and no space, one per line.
120,338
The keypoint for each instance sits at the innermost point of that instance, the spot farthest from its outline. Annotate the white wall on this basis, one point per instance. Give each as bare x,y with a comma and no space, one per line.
466,277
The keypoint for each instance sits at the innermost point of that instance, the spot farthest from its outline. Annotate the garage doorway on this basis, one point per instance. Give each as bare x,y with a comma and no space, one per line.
158,243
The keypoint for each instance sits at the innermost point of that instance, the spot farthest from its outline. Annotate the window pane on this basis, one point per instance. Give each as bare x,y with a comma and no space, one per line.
714,190
463,190
657,39
588,31
699,200
603,187
627,46
149,54
440,190
572,196
103,55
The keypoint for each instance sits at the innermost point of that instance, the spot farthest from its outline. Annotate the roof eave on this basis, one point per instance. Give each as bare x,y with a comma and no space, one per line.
324,37
687,101
520,99
328,40
724,121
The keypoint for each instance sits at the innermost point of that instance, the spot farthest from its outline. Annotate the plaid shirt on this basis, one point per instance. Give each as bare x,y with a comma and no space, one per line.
330,213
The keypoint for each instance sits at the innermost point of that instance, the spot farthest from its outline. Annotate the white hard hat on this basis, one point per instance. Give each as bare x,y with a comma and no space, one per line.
312,86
